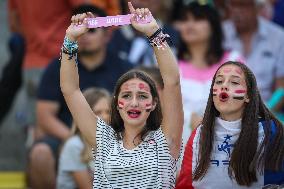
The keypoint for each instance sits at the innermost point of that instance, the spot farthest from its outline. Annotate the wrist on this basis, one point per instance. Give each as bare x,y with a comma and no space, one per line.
71,38
152,31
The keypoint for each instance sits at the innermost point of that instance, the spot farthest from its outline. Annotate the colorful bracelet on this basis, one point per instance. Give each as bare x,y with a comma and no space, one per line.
70,48
158,39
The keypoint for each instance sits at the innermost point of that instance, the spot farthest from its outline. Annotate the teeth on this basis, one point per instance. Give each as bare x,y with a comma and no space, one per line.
134,112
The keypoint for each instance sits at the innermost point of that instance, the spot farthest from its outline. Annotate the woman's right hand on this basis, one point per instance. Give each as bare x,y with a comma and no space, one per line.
78,26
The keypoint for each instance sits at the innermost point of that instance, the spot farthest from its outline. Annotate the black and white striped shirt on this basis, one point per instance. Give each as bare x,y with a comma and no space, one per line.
149,165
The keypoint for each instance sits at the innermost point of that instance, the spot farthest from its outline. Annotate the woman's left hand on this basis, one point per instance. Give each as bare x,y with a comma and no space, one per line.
146,28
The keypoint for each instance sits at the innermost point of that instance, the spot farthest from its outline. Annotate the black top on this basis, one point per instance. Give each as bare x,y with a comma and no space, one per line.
104,76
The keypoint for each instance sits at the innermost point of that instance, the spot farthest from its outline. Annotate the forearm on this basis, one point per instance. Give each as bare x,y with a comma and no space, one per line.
54,127
167,65
83,179
81,111
69,77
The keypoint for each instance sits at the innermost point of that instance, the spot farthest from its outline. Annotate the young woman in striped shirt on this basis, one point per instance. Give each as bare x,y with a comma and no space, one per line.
141,146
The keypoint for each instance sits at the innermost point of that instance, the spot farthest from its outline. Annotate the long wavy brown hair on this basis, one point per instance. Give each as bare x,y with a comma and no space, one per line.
248,156
155,118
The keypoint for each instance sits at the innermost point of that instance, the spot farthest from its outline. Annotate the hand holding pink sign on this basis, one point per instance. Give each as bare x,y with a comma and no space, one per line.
141,20
118,20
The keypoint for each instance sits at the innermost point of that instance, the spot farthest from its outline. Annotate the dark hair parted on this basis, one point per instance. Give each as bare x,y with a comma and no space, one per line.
246,158
155,118
154,73
209,13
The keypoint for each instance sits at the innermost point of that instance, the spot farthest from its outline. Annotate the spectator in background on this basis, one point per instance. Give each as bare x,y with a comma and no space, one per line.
131,45
97,67
12,74
262,44
278,15
76,165
200,54
42,24
111,7
222,7
275,101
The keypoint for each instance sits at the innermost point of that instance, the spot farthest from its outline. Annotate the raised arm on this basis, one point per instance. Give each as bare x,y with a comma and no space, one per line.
172,124
69,80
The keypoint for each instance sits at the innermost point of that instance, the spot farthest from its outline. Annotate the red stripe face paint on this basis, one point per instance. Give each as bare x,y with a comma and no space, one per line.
240,91
239,94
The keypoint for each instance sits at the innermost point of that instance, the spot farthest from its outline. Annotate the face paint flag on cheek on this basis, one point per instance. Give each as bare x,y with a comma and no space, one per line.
214,92
239,94
148,107
120,104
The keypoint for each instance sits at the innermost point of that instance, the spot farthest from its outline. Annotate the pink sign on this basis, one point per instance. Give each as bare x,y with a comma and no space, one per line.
118,20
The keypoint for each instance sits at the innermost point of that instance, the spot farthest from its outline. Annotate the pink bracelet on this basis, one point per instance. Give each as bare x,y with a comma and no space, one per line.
118,20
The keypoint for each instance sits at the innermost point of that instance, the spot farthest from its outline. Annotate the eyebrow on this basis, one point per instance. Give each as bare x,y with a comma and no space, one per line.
219,75
139,92
142,92
234,76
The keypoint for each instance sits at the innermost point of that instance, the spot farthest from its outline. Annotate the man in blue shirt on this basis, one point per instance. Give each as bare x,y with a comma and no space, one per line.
97,67
262,44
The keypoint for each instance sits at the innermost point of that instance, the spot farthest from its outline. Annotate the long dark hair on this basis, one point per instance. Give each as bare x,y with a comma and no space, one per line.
204,12
246,157
155,118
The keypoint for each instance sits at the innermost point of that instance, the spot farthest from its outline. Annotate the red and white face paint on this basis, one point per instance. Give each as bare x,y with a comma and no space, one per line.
229,89
239,94
135,100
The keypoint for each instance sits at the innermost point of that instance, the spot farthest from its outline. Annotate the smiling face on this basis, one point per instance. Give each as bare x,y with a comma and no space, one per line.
135,102
230,92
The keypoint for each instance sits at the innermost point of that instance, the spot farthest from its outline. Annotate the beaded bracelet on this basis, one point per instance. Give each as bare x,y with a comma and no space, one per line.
70,48
158,39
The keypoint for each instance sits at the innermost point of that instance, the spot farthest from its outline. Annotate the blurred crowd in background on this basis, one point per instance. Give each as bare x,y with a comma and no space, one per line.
250,31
